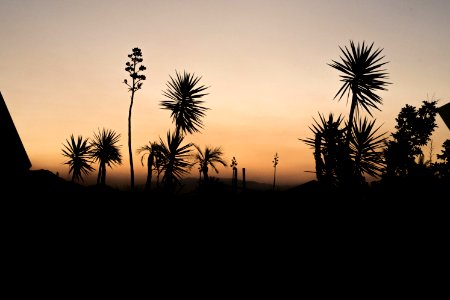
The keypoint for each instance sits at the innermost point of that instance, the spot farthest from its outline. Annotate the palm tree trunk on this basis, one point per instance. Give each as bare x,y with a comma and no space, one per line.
148,184
347,164
350,119
243,179
130,152
168,178
205,174
168,175
318,158
99,176
274,174
235,179
157,179
103,174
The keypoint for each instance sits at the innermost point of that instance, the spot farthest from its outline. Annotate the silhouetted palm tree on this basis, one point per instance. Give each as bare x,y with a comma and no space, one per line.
362,76
176,160
329,148
79,156
367,149
133,68
154,159
209,157
105,152
184,101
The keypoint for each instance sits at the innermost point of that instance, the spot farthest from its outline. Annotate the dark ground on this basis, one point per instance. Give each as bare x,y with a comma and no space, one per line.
50,193
51,225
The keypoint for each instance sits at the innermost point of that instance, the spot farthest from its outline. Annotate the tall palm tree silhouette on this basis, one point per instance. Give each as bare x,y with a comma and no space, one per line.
106,152
184,100
79,157
176,160
209,157
362,77
154,159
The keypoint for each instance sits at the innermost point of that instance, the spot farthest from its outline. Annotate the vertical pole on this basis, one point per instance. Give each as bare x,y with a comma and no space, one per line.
234,179
243,179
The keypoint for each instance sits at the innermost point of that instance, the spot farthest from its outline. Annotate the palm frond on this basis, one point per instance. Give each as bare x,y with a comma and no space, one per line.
367,147
210,157
184,101
78,153
362,74
177,157
104,148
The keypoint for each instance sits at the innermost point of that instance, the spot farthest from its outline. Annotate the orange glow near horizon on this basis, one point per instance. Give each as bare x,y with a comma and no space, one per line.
265,62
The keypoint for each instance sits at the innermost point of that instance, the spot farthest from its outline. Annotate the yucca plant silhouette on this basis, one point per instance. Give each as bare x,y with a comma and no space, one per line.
184,101
362,77
367,146
183,95
329,147
106,152
365,149
209,157
155,159
78,153
176,160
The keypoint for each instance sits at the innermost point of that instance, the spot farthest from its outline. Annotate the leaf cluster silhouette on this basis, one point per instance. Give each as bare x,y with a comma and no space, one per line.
347,149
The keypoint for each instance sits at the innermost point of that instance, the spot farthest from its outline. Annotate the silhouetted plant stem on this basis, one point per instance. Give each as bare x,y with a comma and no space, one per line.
148,183
243,179
99,176
130,152
235,179
133,69
350,119
104,175
274,175
275,163
318,157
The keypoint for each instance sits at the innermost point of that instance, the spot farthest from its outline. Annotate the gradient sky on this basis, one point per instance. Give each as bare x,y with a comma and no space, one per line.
62,67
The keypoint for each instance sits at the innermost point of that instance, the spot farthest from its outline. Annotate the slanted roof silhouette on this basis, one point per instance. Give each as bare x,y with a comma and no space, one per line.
14,158
444,112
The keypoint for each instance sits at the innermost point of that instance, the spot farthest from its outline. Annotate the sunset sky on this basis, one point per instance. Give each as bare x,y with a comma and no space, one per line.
265,62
